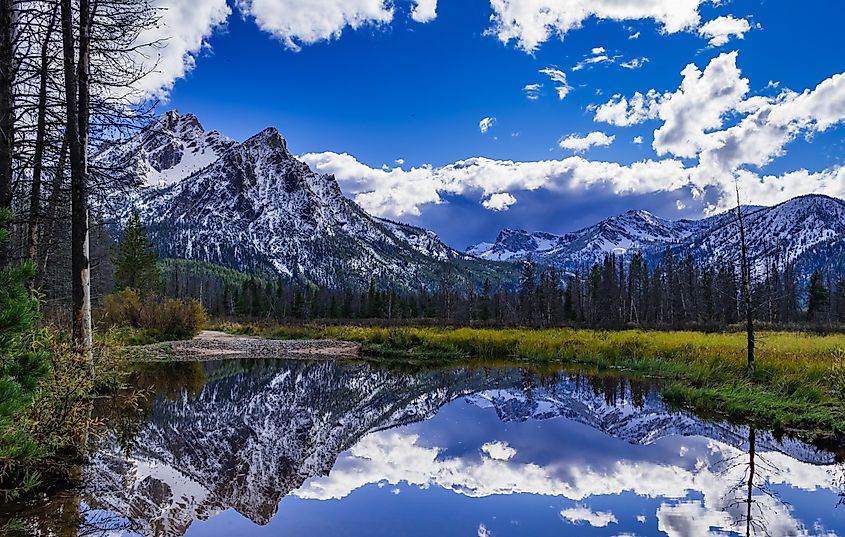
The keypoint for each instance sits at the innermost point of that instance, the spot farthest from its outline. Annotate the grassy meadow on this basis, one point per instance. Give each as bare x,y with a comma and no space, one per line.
798,386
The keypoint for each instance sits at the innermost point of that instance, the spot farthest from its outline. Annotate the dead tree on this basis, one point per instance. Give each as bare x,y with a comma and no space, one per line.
76,98
7,112
746,285
42,104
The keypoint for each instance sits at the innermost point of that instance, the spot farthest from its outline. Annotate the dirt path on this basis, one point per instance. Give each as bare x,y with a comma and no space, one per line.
210,345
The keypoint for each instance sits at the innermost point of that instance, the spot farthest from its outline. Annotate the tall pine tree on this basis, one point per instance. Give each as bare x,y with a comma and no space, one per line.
136,263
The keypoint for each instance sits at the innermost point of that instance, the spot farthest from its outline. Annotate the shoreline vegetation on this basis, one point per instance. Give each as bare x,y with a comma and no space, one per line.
798,386
50,383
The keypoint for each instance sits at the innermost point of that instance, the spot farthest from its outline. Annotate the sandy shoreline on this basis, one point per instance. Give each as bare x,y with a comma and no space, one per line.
210,345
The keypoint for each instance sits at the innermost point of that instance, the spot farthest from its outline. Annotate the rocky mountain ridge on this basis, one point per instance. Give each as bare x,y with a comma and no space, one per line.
808,231
255,207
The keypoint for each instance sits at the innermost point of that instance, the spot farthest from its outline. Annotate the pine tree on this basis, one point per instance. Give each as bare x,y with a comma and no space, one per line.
20,369
818,297
136,263
527,290
298,309
484,313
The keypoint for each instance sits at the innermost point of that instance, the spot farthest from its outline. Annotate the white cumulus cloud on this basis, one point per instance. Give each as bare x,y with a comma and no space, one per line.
424,10
531,23
624,112
181,33
398,192
582,513
298,22
580,144
721,29
499,202
712,118
699,106
486,123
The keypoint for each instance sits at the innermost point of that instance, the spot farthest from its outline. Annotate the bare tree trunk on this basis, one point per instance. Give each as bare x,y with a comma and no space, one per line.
80,234
76,98
746,285
7,78
40,143
52,213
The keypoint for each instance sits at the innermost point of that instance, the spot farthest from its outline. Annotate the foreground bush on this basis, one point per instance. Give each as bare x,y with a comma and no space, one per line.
161,320
21,368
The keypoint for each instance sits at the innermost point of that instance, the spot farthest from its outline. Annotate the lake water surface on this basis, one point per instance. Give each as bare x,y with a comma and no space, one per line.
294,448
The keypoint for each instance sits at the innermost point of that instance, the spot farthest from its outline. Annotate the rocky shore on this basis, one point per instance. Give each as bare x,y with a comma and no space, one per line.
210,345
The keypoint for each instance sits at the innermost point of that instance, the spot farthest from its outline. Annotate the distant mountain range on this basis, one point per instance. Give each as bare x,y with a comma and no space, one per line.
808,231
254,207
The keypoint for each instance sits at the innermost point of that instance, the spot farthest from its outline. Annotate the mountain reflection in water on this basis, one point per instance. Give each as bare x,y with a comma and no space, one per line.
258,447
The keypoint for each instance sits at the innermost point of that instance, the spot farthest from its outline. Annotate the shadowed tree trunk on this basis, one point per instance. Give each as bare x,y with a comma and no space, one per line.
52,210
76,98
7,80
40,143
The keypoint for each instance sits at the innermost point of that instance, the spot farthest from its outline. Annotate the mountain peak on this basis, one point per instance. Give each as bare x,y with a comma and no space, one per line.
169,149
799,230
269,137
253,206
173,121
640,213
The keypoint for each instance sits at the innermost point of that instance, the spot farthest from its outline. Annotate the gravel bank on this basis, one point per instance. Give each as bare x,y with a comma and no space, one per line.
211,345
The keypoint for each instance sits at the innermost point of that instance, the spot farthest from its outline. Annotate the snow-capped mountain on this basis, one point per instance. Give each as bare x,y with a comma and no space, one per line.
808,230
628,232
168,150
788,232
255,206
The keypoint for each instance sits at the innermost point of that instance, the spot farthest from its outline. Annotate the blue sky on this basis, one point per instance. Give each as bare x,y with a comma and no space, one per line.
361,85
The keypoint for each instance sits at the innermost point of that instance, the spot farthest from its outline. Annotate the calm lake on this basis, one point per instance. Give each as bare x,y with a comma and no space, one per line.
277,448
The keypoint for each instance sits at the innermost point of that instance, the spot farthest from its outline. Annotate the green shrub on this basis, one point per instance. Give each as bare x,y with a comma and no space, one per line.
162,320
21,368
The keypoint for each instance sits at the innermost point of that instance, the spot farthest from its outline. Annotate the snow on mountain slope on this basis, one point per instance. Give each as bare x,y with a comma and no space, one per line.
168,150
634,230
781,233
256,207
786,233
422,240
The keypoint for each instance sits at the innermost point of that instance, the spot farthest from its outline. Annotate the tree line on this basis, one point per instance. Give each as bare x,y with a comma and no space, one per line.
618,292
